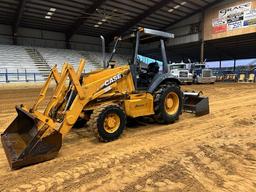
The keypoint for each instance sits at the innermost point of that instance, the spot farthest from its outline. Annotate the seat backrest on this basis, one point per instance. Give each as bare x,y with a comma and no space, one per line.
251,77
241,77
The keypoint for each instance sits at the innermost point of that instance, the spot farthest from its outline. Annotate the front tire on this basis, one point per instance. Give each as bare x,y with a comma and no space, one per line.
108,122
167,104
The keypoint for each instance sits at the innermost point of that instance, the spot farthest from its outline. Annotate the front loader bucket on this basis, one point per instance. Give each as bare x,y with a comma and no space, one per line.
22,144
195,103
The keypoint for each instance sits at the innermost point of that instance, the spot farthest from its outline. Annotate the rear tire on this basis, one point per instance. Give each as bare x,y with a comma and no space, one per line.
108,122
167,103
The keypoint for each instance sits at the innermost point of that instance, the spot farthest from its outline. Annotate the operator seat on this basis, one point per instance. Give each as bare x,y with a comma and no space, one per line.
153,69
145,78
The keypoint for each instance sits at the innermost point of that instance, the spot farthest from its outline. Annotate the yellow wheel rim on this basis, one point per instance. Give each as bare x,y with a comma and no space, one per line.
171,103
111,122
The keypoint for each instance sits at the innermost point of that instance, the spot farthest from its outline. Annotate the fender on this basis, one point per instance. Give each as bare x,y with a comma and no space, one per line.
160,78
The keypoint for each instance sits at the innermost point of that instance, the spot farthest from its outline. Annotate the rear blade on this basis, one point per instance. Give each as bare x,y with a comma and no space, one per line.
22,144
195,103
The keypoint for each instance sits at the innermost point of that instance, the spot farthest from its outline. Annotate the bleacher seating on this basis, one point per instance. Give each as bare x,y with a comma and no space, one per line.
60,56
120,59
15,57
15,60
18,61
95,58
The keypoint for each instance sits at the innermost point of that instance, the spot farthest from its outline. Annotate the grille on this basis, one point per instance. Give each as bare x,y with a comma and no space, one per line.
183,74
207,73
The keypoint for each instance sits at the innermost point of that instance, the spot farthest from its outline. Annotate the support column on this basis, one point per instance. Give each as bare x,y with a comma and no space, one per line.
14,40
67,40
202,52
14,36
202,39
234,65
68,45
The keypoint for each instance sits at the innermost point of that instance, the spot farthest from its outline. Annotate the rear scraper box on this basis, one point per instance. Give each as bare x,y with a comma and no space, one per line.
196,103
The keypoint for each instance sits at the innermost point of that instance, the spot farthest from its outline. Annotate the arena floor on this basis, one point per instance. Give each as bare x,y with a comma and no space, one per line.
216,152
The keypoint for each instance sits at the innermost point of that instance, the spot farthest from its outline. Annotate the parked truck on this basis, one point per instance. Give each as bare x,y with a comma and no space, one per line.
201,74
180,71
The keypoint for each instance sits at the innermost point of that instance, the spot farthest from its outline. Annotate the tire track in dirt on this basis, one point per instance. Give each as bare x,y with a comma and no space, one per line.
211,153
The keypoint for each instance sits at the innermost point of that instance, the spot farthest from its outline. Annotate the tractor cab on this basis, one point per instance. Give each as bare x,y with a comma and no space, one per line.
146,77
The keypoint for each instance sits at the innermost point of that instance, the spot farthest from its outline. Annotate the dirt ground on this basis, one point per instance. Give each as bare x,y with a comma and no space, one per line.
216,152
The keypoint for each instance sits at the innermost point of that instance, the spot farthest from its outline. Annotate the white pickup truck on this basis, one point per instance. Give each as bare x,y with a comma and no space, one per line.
180,71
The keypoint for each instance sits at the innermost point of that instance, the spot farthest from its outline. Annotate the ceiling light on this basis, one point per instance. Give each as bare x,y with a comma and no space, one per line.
183,3
104,20
177,7
99,23
49,13
47,17
52,9
96,26
170,10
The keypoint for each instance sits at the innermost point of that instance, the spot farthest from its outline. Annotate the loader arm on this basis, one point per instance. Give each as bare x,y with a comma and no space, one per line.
85,94
74,78
32,136
54,73
93,90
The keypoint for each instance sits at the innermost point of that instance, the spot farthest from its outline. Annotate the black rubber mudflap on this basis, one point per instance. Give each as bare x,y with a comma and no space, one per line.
22,144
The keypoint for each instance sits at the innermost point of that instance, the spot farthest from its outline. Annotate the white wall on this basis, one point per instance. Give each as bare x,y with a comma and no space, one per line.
182,31
42,38
87,43
122,48
5,37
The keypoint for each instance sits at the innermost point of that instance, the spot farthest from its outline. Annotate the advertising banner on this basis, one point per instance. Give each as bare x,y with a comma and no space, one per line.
236,9
219,29
235,17
219,25
249,17
218,22
235,25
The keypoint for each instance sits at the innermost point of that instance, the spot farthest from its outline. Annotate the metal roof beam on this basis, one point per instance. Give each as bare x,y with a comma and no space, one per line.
75,27
19,16
138,19
194,13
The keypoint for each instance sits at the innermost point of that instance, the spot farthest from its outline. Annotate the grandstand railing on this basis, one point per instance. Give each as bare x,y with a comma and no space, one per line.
24,76
21,76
